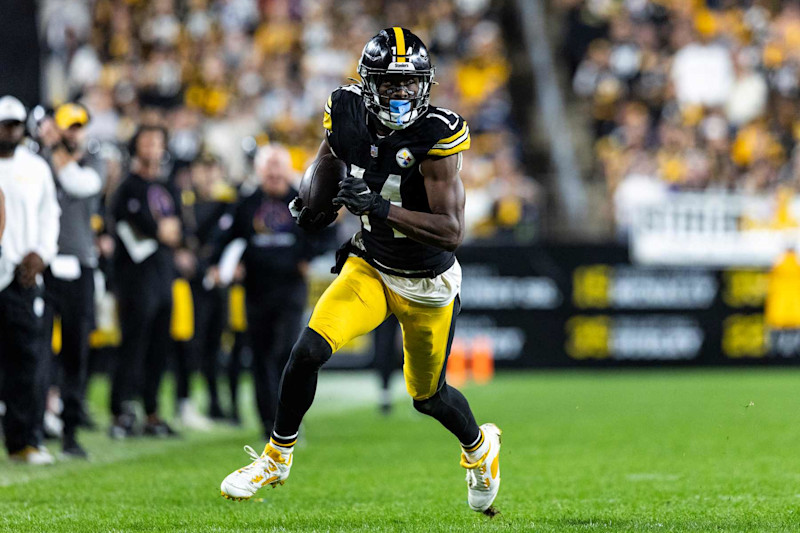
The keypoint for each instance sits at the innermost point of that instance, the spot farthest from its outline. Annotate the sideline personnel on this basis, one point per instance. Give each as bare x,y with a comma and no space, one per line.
145,211
69,281
29,243
275,262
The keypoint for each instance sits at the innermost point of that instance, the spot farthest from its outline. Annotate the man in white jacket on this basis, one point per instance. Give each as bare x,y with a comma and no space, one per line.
28,244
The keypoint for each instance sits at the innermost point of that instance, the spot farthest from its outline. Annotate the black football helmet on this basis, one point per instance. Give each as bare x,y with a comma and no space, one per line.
395,51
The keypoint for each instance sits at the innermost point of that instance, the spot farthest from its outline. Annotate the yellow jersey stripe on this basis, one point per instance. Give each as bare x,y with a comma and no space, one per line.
444,146
455,136
327,122
460,147
401,44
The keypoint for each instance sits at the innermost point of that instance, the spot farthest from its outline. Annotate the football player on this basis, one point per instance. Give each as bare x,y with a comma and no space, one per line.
403,157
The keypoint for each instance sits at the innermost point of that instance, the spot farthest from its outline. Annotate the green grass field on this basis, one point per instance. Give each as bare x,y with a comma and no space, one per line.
582,451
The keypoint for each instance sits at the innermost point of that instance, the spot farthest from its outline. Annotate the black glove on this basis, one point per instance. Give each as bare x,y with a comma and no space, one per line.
356,196
308,221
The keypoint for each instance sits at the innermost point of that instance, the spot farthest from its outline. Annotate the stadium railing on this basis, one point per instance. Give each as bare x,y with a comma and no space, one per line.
715,229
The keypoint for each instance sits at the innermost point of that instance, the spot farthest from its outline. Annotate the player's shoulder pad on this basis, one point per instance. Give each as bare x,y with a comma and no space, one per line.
448,131
338,99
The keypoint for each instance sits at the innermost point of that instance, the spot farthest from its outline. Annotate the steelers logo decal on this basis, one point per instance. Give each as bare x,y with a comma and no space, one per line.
404,157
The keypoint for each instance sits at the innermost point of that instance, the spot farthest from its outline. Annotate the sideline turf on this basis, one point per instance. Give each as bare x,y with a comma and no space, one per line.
601,451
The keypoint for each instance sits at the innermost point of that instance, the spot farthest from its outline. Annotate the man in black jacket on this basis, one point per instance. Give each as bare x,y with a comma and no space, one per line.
205,203
275,262
148,230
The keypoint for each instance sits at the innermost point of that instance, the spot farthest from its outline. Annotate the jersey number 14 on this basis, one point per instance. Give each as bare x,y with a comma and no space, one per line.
390,191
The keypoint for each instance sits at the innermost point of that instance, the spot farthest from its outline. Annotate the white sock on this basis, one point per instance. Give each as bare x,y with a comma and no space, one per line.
282,449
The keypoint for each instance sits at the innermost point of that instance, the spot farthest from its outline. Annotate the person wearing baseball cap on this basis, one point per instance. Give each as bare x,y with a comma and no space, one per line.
69,115
69,281
29,243
12,110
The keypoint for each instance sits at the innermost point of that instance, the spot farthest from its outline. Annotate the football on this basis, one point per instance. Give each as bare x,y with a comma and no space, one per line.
320,184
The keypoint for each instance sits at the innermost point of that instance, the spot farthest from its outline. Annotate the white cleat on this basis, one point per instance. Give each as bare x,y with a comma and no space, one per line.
32,455
269,468
190,417
483,476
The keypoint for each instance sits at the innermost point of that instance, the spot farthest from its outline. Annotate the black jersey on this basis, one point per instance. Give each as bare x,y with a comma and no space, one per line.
390,166
275,244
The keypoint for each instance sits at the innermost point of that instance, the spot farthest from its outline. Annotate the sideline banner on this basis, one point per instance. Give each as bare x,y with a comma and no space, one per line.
587,305
565,305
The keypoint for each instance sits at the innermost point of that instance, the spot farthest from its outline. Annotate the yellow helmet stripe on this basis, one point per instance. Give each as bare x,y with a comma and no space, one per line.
401,44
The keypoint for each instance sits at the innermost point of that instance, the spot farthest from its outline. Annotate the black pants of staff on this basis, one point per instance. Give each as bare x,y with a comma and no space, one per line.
203,349
240,343
210,315
388,354
73,301
145,310
21,352
273,324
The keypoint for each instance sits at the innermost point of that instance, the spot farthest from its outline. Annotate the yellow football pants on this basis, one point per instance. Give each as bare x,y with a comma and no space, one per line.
358,301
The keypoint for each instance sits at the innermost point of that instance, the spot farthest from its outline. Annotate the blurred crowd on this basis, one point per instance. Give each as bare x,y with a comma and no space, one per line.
217,72
174,134
687,95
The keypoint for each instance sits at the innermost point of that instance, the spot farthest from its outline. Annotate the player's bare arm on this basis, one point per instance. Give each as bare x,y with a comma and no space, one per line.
443,227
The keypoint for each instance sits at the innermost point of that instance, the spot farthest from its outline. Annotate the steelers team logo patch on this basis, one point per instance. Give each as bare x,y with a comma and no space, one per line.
404,157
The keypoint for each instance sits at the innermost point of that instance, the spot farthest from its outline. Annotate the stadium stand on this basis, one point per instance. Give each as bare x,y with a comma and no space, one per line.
687,96
216,72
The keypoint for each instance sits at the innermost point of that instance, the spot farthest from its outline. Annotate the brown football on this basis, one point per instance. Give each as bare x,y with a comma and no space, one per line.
320,184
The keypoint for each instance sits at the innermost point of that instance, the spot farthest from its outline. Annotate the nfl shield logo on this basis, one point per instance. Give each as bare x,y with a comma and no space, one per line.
404,158
373,150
